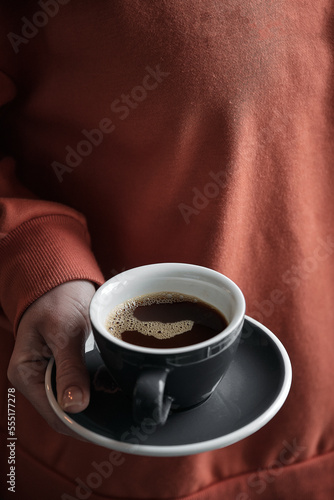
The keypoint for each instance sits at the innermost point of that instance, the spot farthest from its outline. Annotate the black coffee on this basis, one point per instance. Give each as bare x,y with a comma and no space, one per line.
165,320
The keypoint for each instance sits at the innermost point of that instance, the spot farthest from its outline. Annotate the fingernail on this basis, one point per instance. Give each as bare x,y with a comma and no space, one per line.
73,396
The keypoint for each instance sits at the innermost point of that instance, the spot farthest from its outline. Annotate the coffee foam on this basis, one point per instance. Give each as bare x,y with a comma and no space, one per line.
122,319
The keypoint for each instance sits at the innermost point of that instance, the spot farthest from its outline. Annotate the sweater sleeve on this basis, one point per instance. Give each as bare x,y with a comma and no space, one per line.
42,243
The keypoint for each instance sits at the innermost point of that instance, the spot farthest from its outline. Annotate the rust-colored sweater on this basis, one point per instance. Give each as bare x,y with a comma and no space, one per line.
147,131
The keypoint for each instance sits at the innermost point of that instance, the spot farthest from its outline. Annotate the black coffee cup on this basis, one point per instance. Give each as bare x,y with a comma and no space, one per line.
161,380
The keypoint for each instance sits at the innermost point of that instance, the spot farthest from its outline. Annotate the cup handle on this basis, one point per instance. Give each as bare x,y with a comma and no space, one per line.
149,401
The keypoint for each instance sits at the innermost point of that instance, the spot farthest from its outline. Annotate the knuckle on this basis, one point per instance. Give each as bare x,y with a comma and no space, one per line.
64,323
12,374
67,369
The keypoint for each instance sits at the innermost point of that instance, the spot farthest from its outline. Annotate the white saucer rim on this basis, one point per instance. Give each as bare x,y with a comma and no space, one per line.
187,449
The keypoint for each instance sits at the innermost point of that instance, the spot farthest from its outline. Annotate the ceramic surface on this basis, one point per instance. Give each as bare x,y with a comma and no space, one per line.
251,393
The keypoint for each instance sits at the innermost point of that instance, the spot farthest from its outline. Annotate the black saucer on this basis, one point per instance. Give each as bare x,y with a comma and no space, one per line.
251,393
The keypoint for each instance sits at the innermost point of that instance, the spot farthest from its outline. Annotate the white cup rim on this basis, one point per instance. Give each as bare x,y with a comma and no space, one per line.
169,267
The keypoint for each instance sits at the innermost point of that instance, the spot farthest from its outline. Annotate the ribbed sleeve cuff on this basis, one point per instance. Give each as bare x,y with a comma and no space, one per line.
39,255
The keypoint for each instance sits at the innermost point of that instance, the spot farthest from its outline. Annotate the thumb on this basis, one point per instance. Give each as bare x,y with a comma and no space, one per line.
72,379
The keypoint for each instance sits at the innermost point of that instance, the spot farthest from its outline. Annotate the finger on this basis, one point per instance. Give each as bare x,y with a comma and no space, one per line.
26,372
72,379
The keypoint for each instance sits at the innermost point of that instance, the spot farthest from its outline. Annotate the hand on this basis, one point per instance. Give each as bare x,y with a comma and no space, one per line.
57,324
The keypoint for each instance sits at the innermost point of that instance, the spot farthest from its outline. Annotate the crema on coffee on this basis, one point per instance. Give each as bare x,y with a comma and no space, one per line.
165,320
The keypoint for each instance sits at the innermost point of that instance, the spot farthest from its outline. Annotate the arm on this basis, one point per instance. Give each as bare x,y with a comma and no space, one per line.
47,277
